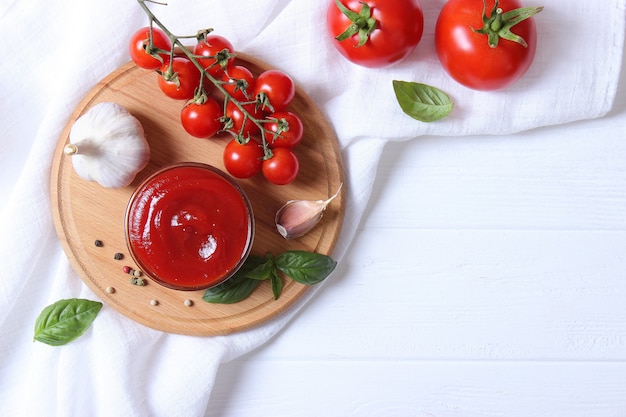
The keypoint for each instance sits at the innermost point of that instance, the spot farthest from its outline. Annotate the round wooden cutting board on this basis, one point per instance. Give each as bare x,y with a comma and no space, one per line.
84,211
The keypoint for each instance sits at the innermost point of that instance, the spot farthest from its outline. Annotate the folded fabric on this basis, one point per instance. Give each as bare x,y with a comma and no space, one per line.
120,367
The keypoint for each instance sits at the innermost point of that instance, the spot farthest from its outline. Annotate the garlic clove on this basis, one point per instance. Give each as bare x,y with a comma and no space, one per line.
297,217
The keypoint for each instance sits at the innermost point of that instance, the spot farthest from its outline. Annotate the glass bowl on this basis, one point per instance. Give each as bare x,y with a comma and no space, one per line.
189,226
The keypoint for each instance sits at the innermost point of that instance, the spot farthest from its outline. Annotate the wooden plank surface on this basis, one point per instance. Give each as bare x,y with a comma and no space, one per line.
84,211
486,279
403,388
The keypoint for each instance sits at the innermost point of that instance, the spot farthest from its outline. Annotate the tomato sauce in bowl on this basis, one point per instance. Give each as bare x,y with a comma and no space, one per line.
189,226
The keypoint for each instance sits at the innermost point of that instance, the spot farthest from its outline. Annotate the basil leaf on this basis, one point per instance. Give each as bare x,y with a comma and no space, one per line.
262,268
277,284
251,262
65,320
422,102
302,266
305,267
236,288
233,290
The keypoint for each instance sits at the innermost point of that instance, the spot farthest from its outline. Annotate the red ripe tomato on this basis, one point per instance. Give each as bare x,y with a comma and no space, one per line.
181,80
243,160
287,129
239,82
282,168
275,89
202,120
483,59
237,116
141,51
375,33
214,46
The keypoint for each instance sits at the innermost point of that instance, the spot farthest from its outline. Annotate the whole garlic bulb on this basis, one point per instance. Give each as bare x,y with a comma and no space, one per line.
107,145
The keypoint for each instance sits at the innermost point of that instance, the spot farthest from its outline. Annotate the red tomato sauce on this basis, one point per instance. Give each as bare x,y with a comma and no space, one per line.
189,227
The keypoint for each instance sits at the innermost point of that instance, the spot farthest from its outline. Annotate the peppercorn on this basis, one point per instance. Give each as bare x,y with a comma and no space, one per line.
138,281
118,256
98,243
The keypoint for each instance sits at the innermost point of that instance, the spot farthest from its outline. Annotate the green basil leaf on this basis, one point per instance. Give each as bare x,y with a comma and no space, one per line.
236,288
305,267
251,262
233,290
277,284
65,320
422,102
261,268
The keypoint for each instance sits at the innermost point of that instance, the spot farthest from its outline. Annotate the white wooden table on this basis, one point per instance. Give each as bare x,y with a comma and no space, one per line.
488,279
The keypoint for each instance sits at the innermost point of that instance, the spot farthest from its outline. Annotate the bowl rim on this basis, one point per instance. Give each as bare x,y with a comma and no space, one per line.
251,225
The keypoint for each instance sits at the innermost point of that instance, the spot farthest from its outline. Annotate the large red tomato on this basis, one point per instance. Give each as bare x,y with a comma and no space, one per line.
487,55
375,33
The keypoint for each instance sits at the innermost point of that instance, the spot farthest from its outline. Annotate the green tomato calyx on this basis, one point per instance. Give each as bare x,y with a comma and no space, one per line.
363,23
499,23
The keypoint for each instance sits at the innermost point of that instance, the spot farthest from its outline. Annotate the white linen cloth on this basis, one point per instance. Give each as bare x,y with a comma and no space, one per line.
55,52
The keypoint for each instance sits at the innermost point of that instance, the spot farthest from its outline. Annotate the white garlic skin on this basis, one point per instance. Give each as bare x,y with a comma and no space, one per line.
109,144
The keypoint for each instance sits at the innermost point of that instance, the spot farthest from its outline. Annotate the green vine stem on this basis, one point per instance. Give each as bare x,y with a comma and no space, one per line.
177,45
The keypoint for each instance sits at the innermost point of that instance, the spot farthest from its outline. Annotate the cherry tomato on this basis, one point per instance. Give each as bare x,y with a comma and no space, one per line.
282,168
243,160
468,56
202,120
181,80
139,42
275,89
237,116
387,31
213,46
288,129
239,82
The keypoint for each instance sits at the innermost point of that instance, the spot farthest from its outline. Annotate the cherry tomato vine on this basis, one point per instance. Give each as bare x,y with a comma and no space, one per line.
252,107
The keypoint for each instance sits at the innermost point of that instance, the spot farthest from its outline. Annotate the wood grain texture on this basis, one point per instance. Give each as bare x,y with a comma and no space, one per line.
85,211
